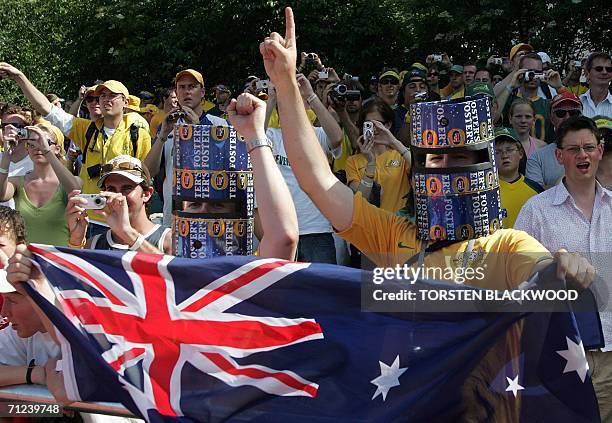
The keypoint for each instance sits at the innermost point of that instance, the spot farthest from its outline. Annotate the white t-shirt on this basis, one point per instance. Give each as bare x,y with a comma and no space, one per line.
169,158
310,219
16,351
19,168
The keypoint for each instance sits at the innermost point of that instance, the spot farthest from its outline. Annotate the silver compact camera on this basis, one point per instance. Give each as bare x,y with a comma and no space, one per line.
368,130
498,61
22,133
532,76
262,84
437,57
324,74
94,201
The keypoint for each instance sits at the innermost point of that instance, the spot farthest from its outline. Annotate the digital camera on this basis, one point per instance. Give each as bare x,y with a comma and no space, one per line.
324,74
262,84
368,130
94,201
176,115
342,93
22,133
577,64
533,75
498,61
437,57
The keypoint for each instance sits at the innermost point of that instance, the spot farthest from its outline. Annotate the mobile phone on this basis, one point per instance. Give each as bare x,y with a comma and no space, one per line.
94,201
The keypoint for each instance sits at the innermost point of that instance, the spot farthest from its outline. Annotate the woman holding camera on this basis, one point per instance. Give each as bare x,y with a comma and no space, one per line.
380,171
40,195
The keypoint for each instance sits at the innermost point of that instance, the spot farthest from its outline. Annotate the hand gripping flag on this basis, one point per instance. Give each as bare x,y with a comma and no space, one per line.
244,339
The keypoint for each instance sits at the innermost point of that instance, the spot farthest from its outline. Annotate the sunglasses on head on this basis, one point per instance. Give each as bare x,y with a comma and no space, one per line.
109,167
15,125
601,68
561,113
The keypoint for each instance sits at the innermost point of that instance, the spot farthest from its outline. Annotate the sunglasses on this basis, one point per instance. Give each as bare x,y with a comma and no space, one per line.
561,113
601,68
109,167
432,74
15,125
388,81
30,145
91,99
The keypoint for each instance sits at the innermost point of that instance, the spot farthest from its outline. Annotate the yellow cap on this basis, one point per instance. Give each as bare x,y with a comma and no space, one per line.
149,108
133,103
56,131
90,90
519,47
389,73
197,75
114,87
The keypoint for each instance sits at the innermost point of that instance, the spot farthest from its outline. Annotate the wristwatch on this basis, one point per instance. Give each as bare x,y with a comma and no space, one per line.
257,142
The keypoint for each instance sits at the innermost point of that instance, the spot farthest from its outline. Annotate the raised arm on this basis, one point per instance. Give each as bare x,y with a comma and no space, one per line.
38,99
309,164
7,189
274,203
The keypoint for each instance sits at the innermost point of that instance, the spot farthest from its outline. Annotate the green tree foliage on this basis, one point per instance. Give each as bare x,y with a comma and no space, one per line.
61,44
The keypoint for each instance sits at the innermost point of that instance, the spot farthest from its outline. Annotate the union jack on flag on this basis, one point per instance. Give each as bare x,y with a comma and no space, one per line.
250,339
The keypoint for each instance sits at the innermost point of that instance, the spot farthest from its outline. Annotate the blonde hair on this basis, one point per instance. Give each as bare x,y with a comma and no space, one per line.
61,154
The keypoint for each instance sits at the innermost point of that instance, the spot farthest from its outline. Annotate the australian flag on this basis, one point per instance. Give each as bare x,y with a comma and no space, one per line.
249,339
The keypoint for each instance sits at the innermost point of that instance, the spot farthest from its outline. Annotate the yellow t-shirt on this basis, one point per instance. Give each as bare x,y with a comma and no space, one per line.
388,240
102,148
347,151
391,174
508,257
513,196
207,105
274,121
156,121
137,119
578,90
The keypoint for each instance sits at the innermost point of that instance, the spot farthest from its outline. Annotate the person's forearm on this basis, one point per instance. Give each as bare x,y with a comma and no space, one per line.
13,375
501,85
328,123
502,99
38,99
130,236
349,127
6,190
308,160
69,181
153,159
275,207
76,106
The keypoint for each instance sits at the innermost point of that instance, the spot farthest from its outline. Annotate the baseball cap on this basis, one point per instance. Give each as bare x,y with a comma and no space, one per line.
506,134
59,136
417,65
91,90
604,123
564,97
390,73
194,73
5,286
480,88
149,108
113,86
545,57
456,68
221,88
54,97
133,103
416,75
127,166
519,47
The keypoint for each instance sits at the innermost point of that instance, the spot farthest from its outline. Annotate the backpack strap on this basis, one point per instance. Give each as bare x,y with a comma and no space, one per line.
92,132
134,138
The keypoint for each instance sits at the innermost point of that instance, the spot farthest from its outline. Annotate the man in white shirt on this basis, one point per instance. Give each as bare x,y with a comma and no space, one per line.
576,215
316,242
598,100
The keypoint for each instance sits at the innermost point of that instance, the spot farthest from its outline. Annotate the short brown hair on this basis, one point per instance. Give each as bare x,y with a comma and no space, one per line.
12,109
12,224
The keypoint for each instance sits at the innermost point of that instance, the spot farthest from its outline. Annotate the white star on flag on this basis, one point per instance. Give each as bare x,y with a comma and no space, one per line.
576,359
513,385
389,377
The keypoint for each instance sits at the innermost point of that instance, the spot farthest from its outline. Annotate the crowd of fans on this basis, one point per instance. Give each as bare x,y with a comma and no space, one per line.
553,132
